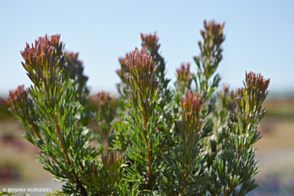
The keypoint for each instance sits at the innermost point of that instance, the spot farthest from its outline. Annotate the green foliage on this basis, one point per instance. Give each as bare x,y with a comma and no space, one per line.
159,140
6,193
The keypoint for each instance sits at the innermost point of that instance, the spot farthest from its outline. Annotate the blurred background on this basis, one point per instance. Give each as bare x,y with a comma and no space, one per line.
259,38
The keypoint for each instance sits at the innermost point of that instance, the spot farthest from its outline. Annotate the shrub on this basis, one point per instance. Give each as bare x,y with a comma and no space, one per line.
186,140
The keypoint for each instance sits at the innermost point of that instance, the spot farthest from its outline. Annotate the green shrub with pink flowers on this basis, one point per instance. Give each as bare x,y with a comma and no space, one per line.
190,139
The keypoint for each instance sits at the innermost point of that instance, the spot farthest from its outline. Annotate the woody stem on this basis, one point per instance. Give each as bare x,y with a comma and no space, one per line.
148,152
66,156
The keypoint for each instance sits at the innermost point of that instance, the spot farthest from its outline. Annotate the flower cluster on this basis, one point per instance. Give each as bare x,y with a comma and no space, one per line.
105,113
102,98
192,106
150,41
255,83
227,98
44,47
113,161
211,53
140,62
16,96
142,77
248,112
19,101
124,68
213,30
22,105
75,67
42,54
253,94
112,164
184,78
44,62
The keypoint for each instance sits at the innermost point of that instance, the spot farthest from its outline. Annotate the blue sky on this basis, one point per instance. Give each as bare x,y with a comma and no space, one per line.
260,36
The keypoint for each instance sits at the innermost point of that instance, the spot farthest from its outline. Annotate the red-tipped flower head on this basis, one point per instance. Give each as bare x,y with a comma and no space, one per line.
184,75
192,106
256,81
17,94
140,62
150,41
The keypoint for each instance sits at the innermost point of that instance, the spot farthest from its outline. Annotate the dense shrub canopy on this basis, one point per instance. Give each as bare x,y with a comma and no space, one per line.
186,140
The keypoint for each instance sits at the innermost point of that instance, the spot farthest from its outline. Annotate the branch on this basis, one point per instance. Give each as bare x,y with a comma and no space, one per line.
67,158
